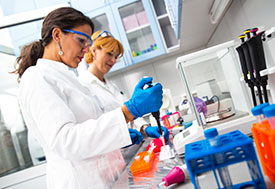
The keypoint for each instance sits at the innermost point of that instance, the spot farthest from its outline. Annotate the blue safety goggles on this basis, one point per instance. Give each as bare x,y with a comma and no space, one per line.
83,39
104,34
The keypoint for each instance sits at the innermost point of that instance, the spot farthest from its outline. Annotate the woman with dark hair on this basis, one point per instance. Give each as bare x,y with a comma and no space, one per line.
80,141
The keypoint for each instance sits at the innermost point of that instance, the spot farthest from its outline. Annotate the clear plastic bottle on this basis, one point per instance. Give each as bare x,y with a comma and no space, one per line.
212,136
257,111
269,113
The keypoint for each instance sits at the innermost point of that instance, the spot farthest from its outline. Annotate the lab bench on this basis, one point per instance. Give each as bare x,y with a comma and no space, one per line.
238,172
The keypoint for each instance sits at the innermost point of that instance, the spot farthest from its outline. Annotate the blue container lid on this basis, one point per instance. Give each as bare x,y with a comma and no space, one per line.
210,133
269,111
258,110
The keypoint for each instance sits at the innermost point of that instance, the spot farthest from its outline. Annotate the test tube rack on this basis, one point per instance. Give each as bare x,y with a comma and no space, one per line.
264,138
234,147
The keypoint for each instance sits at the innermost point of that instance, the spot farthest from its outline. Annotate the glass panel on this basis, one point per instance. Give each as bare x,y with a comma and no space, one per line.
213,96
160,7
101,23
165,25
15,153
137,28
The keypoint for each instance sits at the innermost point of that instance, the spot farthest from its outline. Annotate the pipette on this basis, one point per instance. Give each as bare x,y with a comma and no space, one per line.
256,51
156,115
248,57
245,69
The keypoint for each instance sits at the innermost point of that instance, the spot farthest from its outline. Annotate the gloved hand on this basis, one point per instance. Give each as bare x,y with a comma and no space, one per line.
136,136
145,101
154,132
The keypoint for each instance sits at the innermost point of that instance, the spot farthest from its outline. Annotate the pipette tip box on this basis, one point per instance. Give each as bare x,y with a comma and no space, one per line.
143,162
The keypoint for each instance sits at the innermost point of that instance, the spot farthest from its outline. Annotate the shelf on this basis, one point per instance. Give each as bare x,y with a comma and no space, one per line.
268,71
162,16
137,28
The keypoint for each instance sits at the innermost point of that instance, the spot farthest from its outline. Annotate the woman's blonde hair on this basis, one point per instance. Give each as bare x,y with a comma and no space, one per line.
108,43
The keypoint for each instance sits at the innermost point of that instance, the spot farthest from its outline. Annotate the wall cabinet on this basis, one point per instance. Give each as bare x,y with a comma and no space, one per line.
103,20
133,23
166,24
144,27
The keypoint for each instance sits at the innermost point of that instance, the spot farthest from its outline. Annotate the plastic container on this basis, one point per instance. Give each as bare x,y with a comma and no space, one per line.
269,113
8,159
156,144
257,111
264,138
130,22
142,18
170,120
212,136
143,162
233,147
177,175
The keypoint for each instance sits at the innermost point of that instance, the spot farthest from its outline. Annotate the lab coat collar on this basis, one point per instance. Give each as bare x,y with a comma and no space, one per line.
60,66
91,78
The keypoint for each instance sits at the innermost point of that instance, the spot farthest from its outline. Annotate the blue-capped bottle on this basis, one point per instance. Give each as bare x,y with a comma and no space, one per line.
212,136
269,113
257,111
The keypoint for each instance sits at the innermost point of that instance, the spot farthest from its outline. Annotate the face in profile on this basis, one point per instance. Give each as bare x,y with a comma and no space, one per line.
76,44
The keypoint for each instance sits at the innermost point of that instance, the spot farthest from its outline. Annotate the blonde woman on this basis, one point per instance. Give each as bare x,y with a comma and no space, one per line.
101,58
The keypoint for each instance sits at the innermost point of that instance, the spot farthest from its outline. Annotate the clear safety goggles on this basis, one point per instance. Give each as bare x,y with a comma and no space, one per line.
104,34
83,39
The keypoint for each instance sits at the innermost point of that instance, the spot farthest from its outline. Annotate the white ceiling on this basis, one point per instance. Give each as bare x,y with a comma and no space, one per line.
196,28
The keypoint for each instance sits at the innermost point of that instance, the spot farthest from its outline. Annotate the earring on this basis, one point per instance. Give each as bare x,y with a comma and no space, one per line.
60,50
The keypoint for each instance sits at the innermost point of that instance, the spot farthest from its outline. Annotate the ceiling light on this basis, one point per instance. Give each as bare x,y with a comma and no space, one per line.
218,9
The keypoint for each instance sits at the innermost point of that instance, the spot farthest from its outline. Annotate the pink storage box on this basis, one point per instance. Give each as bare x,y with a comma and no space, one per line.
142,18
130,22
170,121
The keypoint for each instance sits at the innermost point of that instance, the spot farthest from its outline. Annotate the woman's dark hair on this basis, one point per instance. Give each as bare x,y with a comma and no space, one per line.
63,18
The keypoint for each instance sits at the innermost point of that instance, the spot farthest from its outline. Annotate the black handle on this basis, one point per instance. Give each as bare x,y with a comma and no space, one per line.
156,115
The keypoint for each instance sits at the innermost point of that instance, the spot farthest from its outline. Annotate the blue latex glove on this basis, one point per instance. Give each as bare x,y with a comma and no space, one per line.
136,136
154,132
145,101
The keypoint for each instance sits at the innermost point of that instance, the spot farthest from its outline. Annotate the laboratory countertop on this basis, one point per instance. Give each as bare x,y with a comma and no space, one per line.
239,173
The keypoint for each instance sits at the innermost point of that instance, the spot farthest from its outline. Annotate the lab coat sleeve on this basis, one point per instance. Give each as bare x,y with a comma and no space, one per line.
46,113
137,123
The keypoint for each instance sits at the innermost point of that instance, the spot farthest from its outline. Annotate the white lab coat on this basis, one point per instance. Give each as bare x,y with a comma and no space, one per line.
108,94
80,142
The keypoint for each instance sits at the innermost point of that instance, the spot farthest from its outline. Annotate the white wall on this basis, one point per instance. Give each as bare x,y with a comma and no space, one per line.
163,71
242,15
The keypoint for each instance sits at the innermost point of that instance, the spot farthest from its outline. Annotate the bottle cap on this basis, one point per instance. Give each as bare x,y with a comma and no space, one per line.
258,110
210,133
269,111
